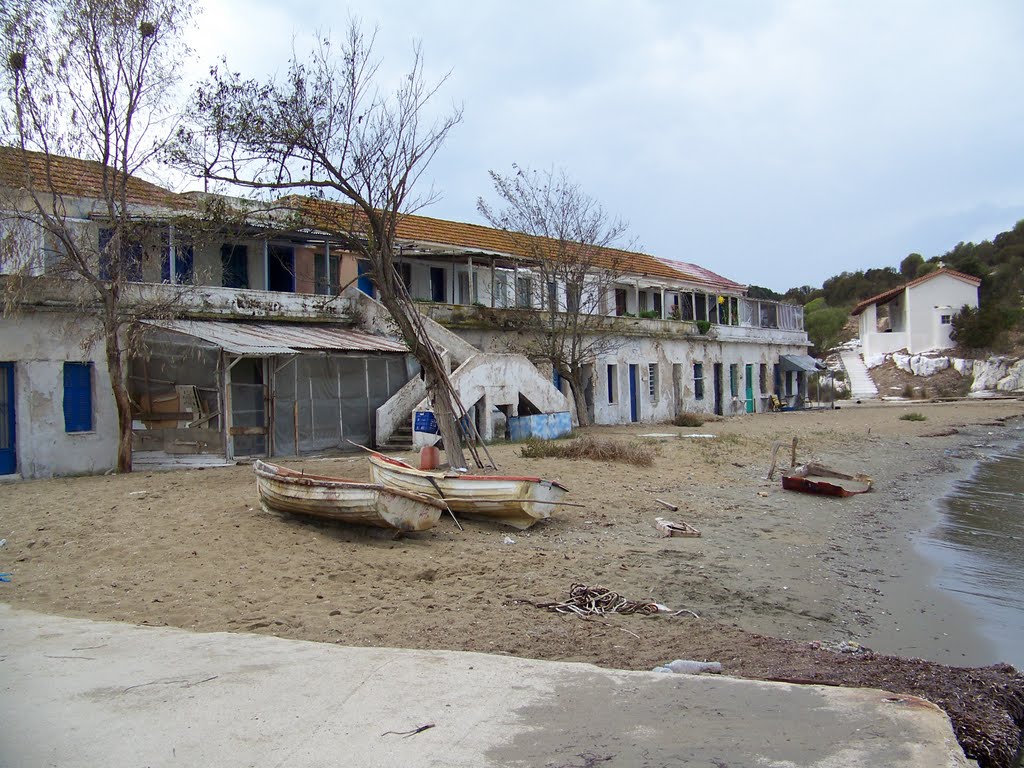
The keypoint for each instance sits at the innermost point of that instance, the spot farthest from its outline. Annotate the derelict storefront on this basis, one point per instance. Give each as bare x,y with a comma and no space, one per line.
277,389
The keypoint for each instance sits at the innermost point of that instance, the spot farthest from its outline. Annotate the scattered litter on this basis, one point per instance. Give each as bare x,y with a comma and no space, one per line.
598,601
413,732
5,577
508,540
688,667
659,436
3,543
763,494
668,528
137,493
700,436
843,646
667,505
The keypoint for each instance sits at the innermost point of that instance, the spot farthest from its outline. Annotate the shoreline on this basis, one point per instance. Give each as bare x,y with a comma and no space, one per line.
921,619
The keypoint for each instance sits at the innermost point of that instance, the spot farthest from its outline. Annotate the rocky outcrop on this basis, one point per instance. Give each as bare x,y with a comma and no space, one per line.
920,365
996,374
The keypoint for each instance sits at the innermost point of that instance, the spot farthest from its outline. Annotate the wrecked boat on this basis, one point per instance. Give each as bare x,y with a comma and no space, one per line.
823,480
289,491
516,501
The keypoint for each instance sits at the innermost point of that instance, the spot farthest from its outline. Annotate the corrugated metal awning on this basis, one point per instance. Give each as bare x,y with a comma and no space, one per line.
800,363
248,338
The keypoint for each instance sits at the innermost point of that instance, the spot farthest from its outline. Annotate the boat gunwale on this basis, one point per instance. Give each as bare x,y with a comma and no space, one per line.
441,474
290,476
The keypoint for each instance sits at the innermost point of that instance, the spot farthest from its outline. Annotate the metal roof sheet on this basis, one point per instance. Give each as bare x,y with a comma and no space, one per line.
800,363
249,338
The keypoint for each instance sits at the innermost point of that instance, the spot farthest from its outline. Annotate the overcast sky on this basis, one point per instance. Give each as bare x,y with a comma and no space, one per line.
777,142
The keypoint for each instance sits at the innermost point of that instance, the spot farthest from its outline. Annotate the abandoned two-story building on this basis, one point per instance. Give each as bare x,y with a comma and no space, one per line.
258,338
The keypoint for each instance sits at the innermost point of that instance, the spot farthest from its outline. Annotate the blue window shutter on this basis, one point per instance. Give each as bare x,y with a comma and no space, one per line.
78,397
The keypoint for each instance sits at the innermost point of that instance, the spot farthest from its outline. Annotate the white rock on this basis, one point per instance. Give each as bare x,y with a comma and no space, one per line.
1014,379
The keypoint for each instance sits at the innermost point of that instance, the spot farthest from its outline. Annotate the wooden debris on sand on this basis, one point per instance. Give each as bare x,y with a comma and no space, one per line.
669,528
599,601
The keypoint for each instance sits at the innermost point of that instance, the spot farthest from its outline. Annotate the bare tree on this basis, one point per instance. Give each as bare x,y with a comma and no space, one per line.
326,129
91,80
574,246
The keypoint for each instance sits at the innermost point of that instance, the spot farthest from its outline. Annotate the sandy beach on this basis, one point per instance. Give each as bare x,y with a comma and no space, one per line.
775,584
192,549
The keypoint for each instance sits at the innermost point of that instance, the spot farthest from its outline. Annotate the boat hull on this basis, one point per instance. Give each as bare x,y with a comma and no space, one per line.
516,501
287,491
824,481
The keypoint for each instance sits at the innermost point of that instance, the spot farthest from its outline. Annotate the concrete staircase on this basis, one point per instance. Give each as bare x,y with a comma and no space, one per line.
862,387
487,380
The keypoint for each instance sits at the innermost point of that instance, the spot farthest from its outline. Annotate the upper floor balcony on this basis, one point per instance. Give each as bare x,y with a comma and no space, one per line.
756,321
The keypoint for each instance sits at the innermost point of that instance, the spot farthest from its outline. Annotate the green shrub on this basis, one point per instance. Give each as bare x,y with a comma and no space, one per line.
703,326
913,416
982,327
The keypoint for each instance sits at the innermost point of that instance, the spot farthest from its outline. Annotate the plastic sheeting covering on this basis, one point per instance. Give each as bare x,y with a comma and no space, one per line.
771,314
320,401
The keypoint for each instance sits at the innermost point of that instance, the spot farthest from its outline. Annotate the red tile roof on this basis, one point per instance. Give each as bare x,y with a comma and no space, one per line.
439,232
892,293
71,177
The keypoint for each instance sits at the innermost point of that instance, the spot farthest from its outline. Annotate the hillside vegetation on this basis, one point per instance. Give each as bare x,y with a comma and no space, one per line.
995,327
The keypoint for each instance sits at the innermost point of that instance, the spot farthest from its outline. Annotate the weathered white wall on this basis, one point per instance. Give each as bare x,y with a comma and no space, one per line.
40,344
943,292
667,352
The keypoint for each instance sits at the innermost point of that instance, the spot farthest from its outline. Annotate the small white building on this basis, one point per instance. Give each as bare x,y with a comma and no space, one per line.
916,316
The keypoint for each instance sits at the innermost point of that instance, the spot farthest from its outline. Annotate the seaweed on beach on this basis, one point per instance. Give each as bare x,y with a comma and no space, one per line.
984,704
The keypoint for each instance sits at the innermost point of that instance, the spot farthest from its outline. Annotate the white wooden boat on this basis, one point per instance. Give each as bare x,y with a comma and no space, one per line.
287,490
516,501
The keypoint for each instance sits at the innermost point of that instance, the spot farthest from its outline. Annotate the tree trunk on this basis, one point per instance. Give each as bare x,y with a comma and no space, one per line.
579,398
434,375
115,369
446,419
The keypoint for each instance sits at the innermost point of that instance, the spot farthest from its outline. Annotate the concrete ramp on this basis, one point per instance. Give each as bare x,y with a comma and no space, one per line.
84,693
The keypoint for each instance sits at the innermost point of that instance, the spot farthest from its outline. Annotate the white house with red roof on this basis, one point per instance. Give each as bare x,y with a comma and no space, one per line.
916,316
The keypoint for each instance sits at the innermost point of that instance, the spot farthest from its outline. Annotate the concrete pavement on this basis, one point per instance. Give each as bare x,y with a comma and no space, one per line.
75,692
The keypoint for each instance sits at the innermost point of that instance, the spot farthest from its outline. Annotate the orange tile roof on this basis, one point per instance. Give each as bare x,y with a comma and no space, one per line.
73,178
892,293
457,234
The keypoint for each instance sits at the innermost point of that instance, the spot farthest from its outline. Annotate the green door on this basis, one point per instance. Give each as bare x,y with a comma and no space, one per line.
750,388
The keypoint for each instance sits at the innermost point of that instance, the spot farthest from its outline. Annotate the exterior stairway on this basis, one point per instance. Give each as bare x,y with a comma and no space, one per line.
399,440
861,385
488,380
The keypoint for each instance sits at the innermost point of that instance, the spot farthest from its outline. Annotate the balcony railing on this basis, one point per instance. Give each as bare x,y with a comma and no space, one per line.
754,316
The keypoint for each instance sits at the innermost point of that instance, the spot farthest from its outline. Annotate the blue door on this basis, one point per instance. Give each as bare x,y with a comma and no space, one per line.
8,459
633,413
364,283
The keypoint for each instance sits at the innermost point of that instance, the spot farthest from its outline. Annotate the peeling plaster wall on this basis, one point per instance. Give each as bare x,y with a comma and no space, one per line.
40,344
667,353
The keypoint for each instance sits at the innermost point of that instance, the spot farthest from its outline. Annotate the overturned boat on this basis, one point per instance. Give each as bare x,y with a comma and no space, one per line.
516,501
823,480
287,490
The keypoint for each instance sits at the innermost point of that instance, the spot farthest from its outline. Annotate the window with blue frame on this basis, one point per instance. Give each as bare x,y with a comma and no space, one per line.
78,397
123,263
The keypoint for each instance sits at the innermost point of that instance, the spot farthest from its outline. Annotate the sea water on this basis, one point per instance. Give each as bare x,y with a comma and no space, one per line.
979,545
